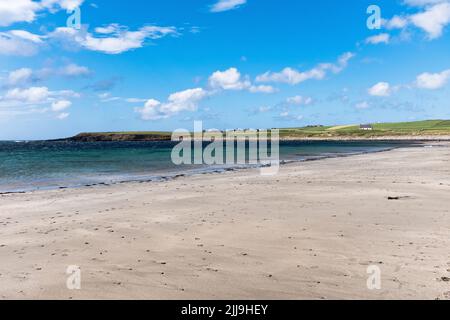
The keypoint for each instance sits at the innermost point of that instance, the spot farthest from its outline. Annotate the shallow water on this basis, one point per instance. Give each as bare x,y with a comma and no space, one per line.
35,165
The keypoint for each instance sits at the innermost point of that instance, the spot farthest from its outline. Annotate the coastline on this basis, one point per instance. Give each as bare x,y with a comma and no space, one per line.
308,233
423,138
201,170
382,138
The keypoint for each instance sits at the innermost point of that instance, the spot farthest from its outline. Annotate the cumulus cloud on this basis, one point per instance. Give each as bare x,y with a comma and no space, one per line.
187,100
61,105
19,43
380,38
228,80
29,95
54,5
112,39
426,80
293,77
433,20
27,10
109,39
381,89
231,79
225,5
19,76
396,22
433,17
17,11
24,76
36,99
433,81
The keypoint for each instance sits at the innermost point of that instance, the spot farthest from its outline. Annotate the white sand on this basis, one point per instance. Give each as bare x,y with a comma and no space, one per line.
308,233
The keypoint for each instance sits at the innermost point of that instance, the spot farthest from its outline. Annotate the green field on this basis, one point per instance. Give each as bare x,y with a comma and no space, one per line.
418,128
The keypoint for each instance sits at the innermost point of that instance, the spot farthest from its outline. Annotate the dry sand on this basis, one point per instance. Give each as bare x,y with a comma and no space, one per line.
308,233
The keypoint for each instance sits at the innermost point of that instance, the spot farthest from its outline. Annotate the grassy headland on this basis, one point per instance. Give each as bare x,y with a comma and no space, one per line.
398,129
418,129
123,136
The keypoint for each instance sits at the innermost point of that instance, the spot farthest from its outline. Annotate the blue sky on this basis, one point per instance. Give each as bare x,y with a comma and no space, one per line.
160,65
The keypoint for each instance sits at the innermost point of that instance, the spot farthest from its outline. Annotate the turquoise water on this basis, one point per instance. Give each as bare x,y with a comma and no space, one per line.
28,166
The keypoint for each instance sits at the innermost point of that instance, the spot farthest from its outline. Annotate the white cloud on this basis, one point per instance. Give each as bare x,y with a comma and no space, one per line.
63,116
25,35
421,3
186,100
74,70
225,5
112,39
17,11
380,38
107,29
433,17
35,100
262,89
27,10
25,75
299,100
231,79
433,20
19,76
228,80
151,111
118,40
433,81
54,5
30,95
61,105
381,89
285,115
65,93
19,43
396,22
293,77
135,100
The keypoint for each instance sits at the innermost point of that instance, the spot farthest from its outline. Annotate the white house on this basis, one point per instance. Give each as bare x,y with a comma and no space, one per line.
366,127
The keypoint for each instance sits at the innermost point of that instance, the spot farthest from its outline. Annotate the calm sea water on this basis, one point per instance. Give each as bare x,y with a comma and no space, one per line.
28,166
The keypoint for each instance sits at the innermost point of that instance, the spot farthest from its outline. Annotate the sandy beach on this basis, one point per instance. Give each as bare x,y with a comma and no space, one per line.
309,232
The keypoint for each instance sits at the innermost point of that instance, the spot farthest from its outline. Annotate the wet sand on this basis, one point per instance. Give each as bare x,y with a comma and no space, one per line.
309,232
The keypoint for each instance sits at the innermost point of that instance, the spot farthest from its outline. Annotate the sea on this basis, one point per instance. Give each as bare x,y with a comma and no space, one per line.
40,165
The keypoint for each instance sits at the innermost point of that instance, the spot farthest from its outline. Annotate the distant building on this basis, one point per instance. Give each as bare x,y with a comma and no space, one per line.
366,127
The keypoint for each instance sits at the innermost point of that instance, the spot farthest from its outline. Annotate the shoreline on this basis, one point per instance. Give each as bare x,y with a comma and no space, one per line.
426,138
423,139
198,171
309,232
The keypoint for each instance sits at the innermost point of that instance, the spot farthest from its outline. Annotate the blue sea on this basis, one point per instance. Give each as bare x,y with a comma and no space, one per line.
26,166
